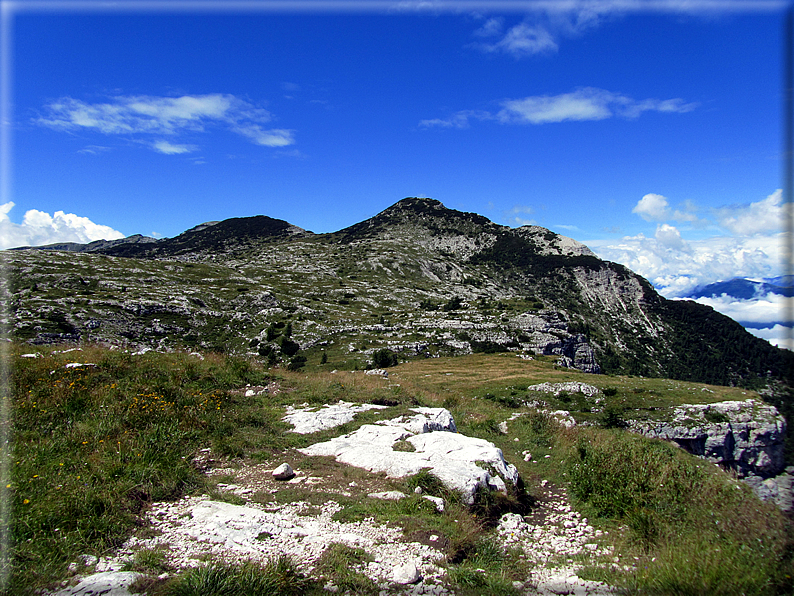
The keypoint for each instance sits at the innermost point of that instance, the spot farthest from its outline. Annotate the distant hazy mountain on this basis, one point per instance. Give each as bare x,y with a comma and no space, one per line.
746,289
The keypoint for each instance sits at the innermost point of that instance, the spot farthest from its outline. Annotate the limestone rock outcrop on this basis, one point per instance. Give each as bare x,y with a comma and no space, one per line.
463,464
745,436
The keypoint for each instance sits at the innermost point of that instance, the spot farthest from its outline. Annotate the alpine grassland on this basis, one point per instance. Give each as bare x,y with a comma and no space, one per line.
100,434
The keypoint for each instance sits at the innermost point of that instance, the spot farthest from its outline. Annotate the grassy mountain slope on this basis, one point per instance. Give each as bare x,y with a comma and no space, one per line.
417,279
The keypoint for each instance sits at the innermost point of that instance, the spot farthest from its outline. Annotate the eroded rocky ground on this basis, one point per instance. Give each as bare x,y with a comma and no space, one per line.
248,518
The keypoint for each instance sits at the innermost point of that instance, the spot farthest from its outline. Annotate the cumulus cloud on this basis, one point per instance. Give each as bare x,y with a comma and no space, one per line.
670,238
677,269
764,311
652,207
755,218
763,316
39,228
751,245
136,115
588,103
777,335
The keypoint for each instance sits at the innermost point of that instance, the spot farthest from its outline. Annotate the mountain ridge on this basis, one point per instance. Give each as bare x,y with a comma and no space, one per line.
453,282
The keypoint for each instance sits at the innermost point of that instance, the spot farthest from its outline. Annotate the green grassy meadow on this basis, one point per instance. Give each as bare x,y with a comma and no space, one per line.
92,446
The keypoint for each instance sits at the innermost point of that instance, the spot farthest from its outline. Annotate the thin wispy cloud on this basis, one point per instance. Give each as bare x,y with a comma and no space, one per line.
171,148
457,120
143,115
94,149
516,216
546,24
276,137
584,104
520,41
493,26
587,103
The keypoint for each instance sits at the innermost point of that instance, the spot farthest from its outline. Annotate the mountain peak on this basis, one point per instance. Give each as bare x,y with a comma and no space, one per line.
417,212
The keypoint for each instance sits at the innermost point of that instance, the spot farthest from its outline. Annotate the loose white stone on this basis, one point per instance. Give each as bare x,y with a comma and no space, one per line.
405,574
437,501
283,472
108,583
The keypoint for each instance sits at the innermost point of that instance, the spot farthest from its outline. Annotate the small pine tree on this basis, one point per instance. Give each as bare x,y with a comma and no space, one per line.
384,358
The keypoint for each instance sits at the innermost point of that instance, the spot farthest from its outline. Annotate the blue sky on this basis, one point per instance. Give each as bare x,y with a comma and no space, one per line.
650,130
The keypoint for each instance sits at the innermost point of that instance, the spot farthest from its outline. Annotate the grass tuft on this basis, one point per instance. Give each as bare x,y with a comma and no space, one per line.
276,578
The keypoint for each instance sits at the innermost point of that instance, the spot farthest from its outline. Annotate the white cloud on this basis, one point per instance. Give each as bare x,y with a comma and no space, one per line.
165,116
277,137
763,311
777,335
540,109
39,228
516,221
171,148
94,149
669,237
764,316
523,40
762,216
587,103
652,207
677,270
515,216
547,23
458,120
490,28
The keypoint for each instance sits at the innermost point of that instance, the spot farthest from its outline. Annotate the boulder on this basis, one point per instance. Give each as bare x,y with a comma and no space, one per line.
405,574
283,472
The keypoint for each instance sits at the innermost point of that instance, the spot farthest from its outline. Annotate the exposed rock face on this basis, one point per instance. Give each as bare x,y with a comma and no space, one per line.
195,528
746,436
454,459
577,353
778,490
